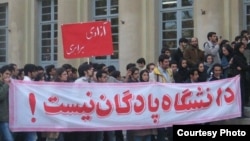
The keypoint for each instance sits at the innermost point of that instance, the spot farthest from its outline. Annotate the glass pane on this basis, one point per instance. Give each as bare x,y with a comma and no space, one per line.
46,50
100,3
187,14
2,32
55,26
46,17
55,2
55,49
2,23
187,33
46,42
248,19
169,3
46,10
169,16
169,25
116,47
55,41
46,57
114,2
169,35
114,10
114,21
46,2
2,45
248,9
115,38
101,20
115,55
187,3
2,15
2,58
2,8
187,24
46,35
101,11
2,38
169,43
55,16
55,57
46,28
101,57
2,52
248,28
55,9
114,29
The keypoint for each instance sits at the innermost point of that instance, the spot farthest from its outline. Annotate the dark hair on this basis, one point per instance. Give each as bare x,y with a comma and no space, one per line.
5,68
59,72
183,40
67,66
12,66
162,57
39,77
208,56
49,68
99,74
141,61
192,71
130,65
82,68
164,49
39,68
243,32
217,65
133,69
148,66
111,68
115,74
210,34
29,68
141,73
237,47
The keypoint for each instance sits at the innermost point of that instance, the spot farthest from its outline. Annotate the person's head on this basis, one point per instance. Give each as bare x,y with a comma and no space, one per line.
20,74
30,70
14,69
227,50
144,76
5,73
141,62
183,42
237,38
200,67
116,74
86,70
111,68
102,67
163,61
239,48
150,67
183,63
174,66
166,51
194,42
40,69
209,59
68,69
40,77
244,33
193,74
244,40
101,76
217,70
74,73
130,65
50,70
61,75
211,36
134,73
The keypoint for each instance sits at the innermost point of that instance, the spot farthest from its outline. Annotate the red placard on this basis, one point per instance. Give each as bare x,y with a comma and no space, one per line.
87,39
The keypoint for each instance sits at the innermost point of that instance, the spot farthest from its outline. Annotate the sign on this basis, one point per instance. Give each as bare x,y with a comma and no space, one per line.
87,39
55,106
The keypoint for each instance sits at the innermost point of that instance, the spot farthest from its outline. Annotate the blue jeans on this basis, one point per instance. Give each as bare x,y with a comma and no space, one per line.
140,138
5,131
30,136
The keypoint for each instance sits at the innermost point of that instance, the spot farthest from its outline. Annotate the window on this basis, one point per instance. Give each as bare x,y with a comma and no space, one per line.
107,10
246,22
48,32
3,33
176,21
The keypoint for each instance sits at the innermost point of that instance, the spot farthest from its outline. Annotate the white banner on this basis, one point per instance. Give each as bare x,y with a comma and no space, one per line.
51,106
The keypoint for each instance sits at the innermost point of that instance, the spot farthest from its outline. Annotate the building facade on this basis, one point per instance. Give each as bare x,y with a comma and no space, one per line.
30,30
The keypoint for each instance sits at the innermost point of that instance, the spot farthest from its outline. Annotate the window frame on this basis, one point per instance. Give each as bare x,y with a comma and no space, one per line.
6,33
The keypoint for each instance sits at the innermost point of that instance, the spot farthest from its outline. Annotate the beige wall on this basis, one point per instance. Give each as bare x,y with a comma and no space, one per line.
138,36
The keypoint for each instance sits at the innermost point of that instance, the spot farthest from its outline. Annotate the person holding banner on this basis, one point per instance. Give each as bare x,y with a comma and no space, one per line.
162,73
5,73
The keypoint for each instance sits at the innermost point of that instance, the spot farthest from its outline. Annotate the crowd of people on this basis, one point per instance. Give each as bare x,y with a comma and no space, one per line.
217,59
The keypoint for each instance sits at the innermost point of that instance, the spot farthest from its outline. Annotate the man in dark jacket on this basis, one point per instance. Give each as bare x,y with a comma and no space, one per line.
5,73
